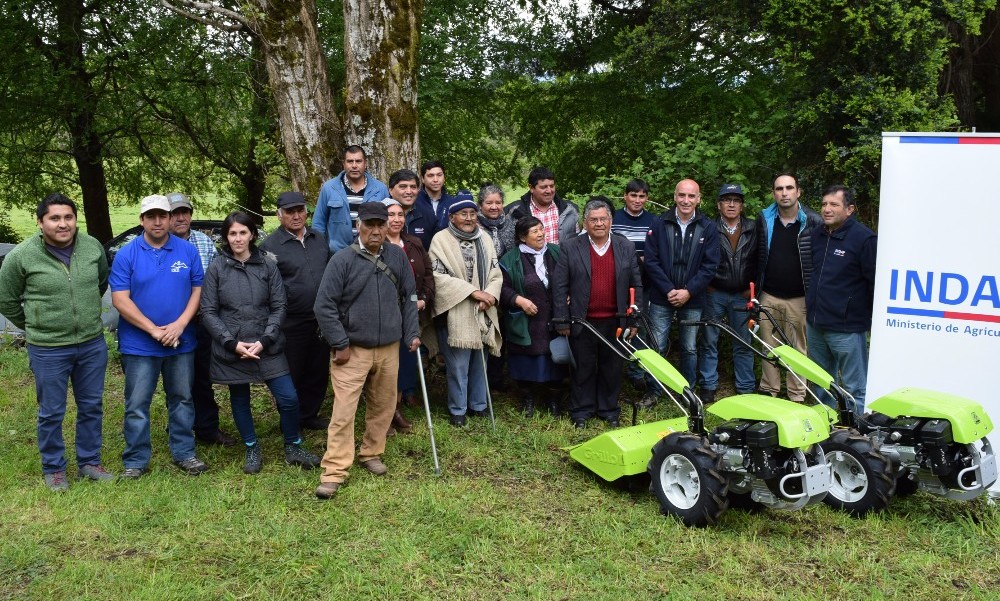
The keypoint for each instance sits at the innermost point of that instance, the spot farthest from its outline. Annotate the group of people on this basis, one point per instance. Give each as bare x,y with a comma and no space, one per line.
387,269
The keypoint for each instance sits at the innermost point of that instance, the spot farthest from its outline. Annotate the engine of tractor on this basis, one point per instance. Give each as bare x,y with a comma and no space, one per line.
923,449
773,475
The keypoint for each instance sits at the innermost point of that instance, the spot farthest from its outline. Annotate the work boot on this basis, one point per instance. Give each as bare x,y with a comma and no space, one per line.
375,466
253,460
400,422
327,490
708,397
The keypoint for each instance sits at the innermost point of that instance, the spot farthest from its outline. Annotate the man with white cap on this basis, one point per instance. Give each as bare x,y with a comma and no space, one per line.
156,287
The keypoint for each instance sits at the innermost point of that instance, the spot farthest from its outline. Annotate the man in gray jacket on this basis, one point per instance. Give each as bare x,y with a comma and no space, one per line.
365,305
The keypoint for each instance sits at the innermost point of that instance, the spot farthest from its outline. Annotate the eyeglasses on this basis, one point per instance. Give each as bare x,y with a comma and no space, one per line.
598,219
731,201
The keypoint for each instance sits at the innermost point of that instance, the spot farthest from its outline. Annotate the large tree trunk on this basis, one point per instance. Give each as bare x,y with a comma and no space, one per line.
296,73
79,107
381,39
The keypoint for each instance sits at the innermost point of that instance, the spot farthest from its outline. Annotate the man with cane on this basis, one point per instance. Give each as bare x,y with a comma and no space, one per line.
365,305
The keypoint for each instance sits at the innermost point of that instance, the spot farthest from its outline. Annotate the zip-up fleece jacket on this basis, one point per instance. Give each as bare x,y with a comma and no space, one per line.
687,262
358,305
62,305
842,290
808,221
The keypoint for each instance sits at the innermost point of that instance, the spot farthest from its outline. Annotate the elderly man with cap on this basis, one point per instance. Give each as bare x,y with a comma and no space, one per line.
467,283
366,304
728,293
206,410
301,254
156,287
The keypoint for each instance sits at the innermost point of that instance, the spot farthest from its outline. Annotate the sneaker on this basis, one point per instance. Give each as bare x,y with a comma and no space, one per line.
648,401
94,472
296,455
133,473
613,422
327,490
56,481
253,460
192,466
478,413
375,466
580,423
457,420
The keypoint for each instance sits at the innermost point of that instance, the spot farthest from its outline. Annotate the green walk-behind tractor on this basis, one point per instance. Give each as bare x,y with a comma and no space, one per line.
767,450
912,439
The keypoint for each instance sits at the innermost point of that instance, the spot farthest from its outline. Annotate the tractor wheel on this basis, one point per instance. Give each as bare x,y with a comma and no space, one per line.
687,479
863,479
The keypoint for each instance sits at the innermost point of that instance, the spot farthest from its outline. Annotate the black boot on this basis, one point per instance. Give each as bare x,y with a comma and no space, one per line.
708,397
529,406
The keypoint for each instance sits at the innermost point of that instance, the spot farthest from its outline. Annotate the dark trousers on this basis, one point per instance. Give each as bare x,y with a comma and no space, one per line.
597,379
206,410
308,363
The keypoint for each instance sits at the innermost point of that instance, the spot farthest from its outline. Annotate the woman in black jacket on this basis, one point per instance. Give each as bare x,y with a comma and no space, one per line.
242,305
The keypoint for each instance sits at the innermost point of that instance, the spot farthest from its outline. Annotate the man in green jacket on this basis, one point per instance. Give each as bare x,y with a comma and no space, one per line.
51,286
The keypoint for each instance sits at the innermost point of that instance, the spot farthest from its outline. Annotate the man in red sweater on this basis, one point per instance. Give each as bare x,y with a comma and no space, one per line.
594,272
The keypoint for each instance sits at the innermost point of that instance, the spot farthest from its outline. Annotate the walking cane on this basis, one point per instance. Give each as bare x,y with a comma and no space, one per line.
489,397
427,409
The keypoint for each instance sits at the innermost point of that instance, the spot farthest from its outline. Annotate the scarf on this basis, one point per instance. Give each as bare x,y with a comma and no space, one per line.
477,238
540,270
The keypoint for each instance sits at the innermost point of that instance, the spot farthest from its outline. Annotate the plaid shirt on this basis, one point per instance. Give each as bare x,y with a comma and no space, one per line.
550,220
206,248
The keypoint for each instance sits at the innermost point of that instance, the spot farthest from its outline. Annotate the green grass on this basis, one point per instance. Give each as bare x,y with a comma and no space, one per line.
510,517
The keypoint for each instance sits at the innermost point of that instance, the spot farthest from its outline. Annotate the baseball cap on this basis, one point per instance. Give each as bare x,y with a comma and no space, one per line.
731,189
178,200
154,202
373,210
291,199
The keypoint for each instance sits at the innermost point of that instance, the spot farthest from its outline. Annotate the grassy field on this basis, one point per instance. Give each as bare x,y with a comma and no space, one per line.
510,517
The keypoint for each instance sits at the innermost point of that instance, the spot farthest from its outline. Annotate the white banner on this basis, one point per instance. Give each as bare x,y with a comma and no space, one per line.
936,320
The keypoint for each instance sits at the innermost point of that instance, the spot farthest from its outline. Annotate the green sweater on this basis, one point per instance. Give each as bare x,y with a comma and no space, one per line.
61,306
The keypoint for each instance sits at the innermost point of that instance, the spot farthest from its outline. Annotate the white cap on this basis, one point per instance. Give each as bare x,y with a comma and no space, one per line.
154,202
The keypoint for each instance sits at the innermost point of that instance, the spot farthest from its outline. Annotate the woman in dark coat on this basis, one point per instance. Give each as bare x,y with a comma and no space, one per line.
242,305
527,296
406,383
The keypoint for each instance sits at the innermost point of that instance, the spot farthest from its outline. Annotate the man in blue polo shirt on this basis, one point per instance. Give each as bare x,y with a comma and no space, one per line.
156,287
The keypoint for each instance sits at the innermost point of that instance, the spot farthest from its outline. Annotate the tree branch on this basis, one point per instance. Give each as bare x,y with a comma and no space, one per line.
209,7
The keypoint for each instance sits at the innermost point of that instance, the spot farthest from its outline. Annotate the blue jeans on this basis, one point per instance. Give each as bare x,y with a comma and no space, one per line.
54,366
660,318
466,376
845,356
142,374
288,408
729,307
